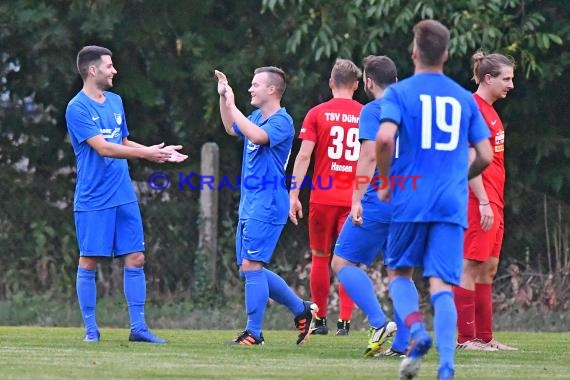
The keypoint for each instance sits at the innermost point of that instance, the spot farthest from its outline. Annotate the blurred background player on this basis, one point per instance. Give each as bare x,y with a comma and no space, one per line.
268,136
107,216
435,120
364,233
331,130
493,74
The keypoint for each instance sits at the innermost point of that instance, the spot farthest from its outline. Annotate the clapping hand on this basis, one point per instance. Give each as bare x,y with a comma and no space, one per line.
175,156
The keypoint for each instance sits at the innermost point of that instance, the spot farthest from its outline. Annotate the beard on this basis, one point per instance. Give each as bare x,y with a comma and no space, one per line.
104,84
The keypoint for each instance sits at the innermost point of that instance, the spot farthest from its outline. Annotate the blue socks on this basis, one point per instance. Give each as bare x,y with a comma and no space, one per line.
445,326
135,294
134,284
256,297
402,336
360,289
87,297
281,293
406,302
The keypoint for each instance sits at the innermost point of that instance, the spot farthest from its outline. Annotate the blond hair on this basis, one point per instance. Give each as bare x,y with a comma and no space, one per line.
491,64
344,73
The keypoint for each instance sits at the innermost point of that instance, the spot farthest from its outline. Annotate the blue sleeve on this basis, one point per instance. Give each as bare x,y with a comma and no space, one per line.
390,107
369,121
79,123
278,129
478,129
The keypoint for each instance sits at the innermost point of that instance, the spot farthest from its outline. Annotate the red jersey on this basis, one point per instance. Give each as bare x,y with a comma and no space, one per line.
494,174
333,127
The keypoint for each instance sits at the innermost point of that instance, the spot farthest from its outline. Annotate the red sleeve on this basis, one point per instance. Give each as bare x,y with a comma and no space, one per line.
309,127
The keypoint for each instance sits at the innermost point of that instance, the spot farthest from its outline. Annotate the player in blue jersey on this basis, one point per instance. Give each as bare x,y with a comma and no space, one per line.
363,236
436,120
107,216
264,201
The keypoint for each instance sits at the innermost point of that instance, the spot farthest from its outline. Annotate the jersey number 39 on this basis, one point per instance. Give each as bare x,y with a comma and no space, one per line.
337,150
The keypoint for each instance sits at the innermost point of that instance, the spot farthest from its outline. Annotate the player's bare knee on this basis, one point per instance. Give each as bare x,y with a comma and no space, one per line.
471,269
489,274
135,260
338,263
250,265
89,263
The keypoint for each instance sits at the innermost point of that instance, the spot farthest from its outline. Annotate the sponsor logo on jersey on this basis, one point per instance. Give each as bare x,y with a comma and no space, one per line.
109,133
251,147
500,141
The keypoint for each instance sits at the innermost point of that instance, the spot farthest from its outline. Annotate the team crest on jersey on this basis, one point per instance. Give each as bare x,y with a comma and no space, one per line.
118,118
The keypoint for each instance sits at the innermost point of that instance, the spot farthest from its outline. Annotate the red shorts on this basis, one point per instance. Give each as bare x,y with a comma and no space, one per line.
325,223
479,245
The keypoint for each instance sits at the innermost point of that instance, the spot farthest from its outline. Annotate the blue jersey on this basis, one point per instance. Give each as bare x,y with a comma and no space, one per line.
264,195
437,121
368,128
102,182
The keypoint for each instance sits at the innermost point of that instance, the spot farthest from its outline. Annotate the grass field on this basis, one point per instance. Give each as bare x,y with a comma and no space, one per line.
56,353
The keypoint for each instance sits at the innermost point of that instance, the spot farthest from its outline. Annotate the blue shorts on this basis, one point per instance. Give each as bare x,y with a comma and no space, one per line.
361,244
436,246
256,240
110,232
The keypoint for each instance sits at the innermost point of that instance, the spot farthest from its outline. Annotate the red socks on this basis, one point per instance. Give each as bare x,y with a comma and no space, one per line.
474,312
346,304
465,305
320,281
484,315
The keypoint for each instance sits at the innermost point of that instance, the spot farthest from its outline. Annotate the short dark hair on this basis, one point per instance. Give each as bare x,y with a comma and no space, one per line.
344,73
432,40
491,64
381,69
276,77
89,55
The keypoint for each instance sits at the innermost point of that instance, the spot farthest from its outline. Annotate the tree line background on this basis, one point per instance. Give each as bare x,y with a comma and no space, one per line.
165,53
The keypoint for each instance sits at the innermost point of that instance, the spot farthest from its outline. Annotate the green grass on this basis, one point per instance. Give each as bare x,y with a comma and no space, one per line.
56,353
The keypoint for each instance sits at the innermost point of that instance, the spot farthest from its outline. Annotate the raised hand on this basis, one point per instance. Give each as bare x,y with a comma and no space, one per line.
222,82
229,95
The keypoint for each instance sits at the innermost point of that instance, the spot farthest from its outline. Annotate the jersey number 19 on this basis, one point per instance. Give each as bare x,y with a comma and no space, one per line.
443,105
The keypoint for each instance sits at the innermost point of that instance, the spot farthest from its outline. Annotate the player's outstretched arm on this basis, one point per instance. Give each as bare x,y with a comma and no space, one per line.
107,149
175,156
